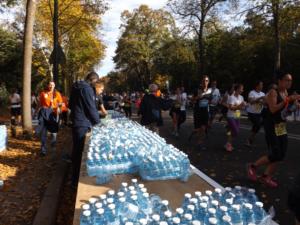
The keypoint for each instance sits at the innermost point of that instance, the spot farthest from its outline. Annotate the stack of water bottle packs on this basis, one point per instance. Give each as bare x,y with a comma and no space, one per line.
3,137
122,146
133,205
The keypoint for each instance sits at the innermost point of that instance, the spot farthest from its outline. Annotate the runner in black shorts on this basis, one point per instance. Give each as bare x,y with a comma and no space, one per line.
275,130
201,111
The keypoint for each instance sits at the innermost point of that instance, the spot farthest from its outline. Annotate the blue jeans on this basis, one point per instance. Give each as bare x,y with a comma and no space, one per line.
44,139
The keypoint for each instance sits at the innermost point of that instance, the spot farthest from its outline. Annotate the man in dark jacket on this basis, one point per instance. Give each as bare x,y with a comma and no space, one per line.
84,115
150,109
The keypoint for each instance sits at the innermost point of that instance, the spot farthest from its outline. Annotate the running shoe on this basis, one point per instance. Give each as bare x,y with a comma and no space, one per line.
268,181
251,172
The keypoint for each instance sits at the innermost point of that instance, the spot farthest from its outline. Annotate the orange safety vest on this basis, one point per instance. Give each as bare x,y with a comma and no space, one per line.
47,100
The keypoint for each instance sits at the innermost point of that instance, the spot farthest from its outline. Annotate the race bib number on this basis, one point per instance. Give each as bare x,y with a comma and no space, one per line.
258,107
280,129
237,114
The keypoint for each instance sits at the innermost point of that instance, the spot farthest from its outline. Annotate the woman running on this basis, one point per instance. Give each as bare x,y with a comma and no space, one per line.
277,101
175,111
256,104
235,103
201,111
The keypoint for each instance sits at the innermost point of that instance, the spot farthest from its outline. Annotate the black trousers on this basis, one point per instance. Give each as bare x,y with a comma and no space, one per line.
78,134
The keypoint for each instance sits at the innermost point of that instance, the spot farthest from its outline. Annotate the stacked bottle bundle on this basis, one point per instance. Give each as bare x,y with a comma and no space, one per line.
115,114
123,146
3,137
134,205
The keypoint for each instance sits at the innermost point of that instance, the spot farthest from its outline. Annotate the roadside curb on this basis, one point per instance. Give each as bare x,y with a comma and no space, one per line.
47,212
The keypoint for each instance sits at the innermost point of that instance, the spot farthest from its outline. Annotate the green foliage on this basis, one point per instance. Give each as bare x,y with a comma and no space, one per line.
144,32
10,59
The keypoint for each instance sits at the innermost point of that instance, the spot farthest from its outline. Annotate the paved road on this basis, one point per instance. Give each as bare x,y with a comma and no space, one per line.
228,169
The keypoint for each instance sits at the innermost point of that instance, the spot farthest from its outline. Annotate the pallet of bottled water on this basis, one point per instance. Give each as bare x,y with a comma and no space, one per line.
3,137
133,205
122,146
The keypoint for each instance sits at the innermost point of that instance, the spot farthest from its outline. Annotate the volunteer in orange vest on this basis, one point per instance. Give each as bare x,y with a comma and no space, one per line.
50,99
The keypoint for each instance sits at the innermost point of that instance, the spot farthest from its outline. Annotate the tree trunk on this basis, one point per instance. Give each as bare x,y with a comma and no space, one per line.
27,61
201,50
55,43
277,60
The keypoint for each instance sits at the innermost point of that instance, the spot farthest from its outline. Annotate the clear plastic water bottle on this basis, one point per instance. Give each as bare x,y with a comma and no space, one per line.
111,215
235,215
259,212
195,203
248,216
92,202
143,221
209,194
98,205
202,212
217,195
103,199
223,211
155,219
212,221
175,221
124,188
214,204
129,223
229,202
196,222
251,196
238,195
226,220
111,194
211,213
180,213
190,209
198,195
99,218
186,200
168,216
85,218
187,218
85,207
205,199
164,208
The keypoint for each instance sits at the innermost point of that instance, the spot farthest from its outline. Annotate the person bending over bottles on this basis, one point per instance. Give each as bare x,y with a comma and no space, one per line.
278,106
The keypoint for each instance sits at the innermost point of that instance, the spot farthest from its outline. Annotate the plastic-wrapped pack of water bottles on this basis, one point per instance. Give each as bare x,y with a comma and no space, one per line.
134,205
3,137
122,146
113,114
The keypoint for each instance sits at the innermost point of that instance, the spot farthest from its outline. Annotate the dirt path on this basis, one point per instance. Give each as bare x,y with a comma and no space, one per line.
26,175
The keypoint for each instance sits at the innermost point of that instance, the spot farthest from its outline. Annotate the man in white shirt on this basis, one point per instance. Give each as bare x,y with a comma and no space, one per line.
254,109
15,107
182,114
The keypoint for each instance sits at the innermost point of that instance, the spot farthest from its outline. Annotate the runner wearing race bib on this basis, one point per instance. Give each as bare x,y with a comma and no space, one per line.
235,104
201,101
254,109
277,100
